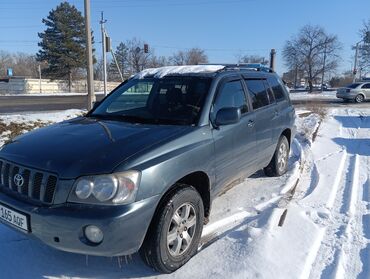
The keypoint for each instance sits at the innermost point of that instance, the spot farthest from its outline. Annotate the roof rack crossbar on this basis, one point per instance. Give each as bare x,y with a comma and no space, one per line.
245,66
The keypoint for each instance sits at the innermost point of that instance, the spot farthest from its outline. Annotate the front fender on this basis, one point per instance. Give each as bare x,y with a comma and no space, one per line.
163,167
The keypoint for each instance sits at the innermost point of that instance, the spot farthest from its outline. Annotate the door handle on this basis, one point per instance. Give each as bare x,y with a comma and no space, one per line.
250,123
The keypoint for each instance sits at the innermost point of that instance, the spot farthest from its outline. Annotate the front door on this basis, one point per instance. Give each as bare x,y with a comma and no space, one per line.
235,143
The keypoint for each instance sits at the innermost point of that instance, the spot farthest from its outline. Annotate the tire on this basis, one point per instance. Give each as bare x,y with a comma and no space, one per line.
279,162
359,98
171,240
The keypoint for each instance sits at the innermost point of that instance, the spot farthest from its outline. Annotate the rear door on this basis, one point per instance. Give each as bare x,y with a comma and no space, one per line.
284,110
235,143
265,119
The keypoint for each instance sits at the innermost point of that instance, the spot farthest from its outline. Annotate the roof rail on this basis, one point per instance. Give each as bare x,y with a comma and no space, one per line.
245,66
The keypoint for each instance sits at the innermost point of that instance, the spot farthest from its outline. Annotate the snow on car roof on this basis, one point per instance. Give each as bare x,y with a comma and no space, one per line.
171,70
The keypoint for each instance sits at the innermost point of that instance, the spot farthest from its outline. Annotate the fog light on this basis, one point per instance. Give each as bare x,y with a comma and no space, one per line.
94,234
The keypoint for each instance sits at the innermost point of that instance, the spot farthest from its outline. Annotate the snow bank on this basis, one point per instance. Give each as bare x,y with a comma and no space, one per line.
48,117
318,95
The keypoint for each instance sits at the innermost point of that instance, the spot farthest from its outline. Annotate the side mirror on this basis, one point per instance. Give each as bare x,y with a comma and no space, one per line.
227,116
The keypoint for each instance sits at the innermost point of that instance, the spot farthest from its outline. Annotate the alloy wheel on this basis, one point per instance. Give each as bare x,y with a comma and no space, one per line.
181,229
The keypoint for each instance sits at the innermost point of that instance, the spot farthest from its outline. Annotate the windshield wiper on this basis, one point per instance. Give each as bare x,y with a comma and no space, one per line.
123,117
140,119
135,118
170,121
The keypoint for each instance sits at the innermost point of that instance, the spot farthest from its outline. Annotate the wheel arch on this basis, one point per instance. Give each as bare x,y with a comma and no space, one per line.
362,94
200,181
288,134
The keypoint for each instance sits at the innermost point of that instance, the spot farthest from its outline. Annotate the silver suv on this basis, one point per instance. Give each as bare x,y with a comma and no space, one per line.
359,91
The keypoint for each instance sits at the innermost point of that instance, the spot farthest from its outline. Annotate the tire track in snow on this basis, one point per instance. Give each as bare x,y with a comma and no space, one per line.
349,255
321,267
332,260
365,251
346,264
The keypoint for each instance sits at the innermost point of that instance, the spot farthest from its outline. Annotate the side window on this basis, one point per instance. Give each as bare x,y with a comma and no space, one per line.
257,92
231,94
269,92
277,88
366,86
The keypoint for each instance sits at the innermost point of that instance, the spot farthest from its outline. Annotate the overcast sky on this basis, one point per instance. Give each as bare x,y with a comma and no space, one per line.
223,28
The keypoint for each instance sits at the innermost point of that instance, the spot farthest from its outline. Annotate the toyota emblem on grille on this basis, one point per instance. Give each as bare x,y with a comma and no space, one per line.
18,180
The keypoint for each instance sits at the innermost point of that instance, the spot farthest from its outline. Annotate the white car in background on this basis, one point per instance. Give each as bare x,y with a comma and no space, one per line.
358,91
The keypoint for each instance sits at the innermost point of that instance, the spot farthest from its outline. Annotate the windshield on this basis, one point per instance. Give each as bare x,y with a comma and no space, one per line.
353,85
169,100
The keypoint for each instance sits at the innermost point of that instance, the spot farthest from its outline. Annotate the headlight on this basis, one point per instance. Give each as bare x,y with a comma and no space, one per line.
117,188
84,188
105,187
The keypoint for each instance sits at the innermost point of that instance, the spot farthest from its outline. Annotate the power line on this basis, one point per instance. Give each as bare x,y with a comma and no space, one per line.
141,5
20,27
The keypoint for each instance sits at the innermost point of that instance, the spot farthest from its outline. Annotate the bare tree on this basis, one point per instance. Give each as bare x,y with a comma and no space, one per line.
5,62
364,50
98,69
157,61
252,59
137,59
23,64
313,51
196,56
192,56
341,81
178,58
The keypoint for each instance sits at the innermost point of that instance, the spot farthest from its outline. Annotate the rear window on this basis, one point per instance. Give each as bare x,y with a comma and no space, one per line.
257,92
353,85
277,88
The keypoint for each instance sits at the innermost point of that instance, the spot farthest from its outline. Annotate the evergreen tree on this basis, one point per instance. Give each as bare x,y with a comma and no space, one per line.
63,42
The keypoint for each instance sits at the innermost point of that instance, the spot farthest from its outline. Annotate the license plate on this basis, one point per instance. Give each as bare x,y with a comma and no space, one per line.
14,218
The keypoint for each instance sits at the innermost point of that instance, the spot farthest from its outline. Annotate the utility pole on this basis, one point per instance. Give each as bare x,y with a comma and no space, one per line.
323,71
104,52
355,66
90,74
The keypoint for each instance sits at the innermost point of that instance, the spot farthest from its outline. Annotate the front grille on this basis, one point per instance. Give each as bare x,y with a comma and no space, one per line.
37,185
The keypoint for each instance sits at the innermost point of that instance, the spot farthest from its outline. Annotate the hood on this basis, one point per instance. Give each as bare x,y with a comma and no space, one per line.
85,146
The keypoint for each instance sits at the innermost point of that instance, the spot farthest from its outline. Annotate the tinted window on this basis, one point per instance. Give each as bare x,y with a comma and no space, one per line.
277,88
231,94
353,85
258,93
168,100
366,85
269,91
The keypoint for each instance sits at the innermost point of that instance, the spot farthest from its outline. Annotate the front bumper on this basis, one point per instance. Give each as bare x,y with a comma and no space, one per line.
61,226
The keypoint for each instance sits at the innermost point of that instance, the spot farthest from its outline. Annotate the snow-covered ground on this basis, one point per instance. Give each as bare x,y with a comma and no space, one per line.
314,222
